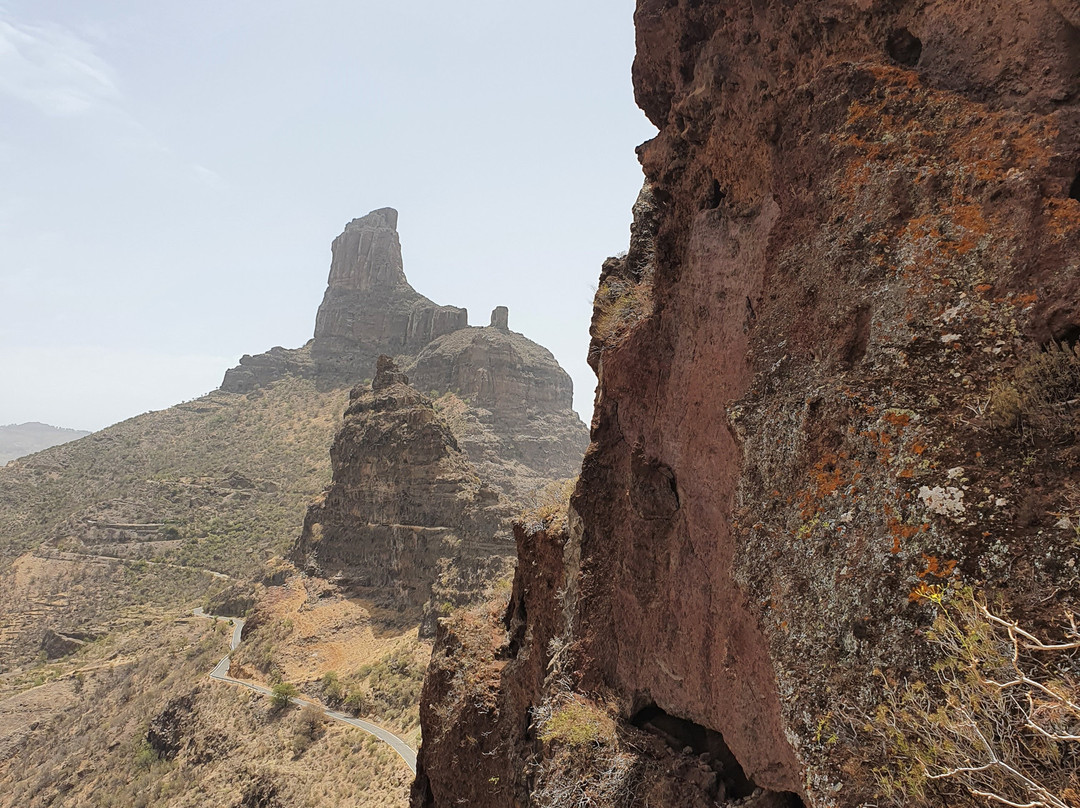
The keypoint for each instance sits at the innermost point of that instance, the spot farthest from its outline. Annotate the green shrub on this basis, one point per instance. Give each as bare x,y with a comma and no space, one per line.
332,689
282,693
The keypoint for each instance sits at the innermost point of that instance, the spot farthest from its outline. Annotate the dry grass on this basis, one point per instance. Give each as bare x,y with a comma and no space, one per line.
234,748
548,507
1043,395
620,304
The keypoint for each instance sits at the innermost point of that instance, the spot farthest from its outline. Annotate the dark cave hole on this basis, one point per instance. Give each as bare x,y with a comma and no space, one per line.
1069,335
713,196
904,47
1074,189
707,744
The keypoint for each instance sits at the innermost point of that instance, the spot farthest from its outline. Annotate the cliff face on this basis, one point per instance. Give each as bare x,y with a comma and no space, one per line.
833,397
368,309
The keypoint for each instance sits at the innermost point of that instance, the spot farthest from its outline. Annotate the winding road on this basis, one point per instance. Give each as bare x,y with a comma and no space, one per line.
221,674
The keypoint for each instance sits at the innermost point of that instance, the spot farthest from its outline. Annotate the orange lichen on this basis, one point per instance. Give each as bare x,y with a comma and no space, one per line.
936,567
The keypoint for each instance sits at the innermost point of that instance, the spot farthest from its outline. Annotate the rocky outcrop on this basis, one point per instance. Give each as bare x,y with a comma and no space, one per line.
368,309
425,476
407,517
513,409
524,428
833,406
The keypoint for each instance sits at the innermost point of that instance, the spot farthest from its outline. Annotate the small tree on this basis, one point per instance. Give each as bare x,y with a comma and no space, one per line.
282,693
332,689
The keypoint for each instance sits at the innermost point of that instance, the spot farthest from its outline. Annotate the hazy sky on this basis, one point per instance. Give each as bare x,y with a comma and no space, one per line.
172,175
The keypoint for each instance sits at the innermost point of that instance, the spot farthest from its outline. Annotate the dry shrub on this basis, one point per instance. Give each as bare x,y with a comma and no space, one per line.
1000,724
585,764
548,506
620,304
1043,395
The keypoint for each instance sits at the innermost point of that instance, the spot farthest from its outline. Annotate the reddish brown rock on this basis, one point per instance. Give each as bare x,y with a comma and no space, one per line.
864,227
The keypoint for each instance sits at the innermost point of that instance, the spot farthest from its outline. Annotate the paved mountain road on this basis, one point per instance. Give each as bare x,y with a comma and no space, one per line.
221,674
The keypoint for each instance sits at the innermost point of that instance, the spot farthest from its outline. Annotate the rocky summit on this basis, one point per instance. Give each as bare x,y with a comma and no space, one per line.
368,309
514,407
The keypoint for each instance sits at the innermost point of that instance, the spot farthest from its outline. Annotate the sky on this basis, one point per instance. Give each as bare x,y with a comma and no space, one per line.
172,176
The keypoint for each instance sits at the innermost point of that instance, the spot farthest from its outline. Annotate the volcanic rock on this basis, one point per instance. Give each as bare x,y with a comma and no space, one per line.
812,436
520,403
368,309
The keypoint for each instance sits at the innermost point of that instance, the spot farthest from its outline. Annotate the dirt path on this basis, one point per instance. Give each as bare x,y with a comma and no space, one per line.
221,674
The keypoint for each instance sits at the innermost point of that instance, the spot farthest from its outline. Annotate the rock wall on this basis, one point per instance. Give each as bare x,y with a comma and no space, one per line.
369,307
832,396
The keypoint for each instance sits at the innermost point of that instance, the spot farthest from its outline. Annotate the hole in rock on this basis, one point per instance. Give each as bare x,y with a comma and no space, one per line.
1070,335
678,733
904,47
714,195
1074,189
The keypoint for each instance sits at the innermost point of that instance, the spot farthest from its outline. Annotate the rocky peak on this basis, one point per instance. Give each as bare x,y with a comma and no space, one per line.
369,307
387,374
500,317
367,255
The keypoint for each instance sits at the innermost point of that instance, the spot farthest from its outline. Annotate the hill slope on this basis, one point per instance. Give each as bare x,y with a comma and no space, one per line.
19,440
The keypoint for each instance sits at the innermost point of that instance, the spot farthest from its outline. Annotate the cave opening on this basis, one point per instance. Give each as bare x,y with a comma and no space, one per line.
709,746
904,47
1069,335
714,195
1074,189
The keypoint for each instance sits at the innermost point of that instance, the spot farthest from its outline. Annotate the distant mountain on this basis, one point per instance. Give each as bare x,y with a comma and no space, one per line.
18,440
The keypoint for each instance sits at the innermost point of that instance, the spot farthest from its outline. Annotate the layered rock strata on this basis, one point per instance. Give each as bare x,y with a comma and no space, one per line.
368,309
838,386
407,517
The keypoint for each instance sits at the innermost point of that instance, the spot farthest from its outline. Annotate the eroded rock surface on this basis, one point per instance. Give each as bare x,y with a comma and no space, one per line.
855,254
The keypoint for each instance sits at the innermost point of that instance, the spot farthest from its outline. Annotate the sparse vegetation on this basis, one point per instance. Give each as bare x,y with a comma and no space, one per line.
90,748
388,690
226,477
584,764
1042,396
549,506
621,303
1000,723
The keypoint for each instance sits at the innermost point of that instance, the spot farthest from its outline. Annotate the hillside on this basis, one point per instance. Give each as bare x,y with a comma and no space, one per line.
19,440
210,503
